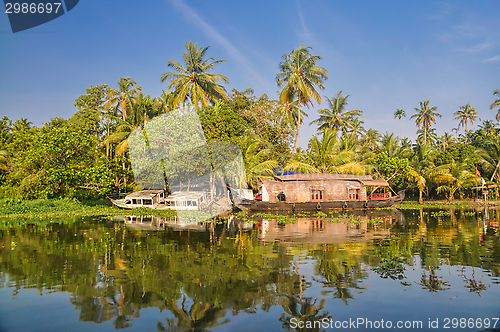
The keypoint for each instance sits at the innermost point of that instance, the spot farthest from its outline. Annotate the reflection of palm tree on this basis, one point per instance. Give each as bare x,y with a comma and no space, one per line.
199,317
432,282
341,273
305,310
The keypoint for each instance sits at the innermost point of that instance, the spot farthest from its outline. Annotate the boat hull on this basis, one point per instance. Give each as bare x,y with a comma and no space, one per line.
252,205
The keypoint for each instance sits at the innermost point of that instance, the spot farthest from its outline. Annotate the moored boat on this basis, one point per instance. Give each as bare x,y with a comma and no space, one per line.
155,199
320,192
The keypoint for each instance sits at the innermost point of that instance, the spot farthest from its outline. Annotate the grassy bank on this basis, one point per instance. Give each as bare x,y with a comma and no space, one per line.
66,207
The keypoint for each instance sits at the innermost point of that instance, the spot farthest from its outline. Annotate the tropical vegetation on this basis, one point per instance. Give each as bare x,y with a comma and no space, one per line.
88,154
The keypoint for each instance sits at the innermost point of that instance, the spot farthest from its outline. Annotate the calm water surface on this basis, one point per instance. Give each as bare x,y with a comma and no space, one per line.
426,270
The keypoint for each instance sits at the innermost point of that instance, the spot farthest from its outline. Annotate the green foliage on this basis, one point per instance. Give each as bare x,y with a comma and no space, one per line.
54,163
221,123
394,169
461,153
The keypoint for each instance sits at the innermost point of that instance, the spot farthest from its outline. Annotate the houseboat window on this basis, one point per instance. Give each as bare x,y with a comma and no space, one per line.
193,203
134,201
127,202
147,202
281,197
353,193
316,195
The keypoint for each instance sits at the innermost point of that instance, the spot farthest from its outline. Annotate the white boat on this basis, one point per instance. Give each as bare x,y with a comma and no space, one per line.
155,199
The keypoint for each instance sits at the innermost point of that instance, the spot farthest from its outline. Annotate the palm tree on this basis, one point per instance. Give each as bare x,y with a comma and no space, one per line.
431,136
193,81
466,114
456,177
425,117
371,139
121,99
399,114
488,126
329,155
490,157
300,75
357,128
444,141
389,145
422,168
496,103
256,161
3,160
21,124
336,116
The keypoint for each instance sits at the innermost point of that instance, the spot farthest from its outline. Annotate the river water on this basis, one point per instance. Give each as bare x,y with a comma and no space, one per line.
416,270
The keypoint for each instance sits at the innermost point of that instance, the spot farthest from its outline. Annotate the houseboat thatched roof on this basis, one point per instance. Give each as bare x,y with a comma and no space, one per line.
367,180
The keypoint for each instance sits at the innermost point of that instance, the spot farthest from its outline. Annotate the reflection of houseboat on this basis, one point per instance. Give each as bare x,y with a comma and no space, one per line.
181,200
316,191
158,223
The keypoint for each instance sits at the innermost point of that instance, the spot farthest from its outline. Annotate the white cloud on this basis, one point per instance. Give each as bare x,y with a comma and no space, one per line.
492,59
214,34
478,48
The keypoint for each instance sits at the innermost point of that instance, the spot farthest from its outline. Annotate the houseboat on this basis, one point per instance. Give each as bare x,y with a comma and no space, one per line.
155,199
321,192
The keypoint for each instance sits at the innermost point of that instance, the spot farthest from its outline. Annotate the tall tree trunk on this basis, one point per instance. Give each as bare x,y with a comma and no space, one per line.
420,200
298,128
400,134
425,135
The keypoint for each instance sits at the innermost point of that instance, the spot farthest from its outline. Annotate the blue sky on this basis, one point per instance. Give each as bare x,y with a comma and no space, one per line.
384,54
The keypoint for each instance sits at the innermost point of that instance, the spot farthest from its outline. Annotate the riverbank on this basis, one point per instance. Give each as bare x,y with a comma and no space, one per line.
56,208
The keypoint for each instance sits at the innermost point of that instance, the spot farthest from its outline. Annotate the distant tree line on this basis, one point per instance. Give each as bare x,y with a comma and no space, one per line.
87,155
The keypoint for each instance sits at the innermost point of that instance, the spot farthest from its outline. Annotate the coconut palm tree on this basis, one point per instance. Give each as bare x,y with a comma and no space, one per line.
256,160
455,177
400,113
329,155
357,129
422,167
496,103
300,75
21,124
444,141
121,99
3,160
466,114
371,139
490,157
389,145
193,82
336,116
425,117
488,127
431,136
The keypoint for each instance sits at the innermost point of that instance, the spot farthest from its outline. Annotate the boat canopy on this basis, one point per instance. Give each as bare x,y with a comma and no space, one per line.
322,176
376,182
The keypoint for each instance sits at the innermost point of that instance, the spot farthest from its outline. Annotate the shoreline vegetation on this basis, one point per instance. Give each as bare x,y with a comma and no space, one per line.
86,156
64,207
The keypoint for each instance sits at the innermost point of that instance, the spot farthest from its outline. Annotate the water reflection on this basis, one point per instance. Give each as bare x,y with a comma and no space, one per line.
211,276
338,227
